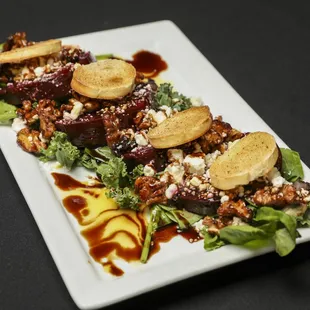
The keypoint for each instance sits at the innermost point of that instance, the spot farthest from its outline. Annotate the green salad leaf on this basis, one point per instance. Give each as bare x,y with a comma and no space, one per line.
104,56
113,172
125,198
242,234
166,96
88,162
1,47
61,149
268,214
284,243
7,112
212,242
291,165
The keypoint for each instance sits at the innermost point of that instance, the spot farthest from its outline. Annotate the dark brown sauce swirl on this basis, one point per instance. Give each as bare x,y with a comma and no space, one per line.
149,63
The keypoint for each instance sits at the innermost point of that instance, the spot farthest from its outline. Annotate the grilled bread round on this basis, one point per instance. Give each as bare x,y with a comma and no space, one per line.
106,79
38,49
250,158
181,128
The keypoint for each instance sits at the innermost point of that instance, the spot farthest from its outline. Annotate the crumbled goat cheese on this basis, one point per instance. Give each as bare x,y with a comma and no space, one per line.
38,71
195,164
237,221
198,226
167,110
18,124
224,198
176,171
171,191
148,171
159,117
75,112
25,70
140,139
175,155
203,187
196,101
211,157
42,138
274,176
195,181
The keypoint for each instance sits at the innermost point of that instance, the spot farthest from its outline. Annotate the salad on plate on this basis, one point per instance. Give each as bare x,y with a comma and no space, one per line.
157,155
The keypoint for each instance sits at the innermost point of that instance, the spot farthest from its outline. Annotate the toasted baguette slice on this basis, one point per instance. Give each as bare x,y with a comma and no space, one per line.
250,158
181,128
39,49
106,79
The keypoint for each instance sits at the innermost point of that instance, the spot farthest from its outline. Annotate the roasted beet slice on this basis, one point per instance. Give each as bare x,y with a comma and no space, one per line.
86,131
199,206
145,155
54,85
126,116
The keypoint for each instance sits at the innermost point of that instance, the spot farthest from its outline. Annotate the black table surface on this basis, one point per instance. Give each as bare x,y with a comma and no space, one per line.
263,49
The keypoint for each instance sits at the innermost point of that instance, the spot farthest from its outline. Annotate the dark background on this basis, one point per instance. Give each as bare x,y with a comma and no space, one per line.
262,48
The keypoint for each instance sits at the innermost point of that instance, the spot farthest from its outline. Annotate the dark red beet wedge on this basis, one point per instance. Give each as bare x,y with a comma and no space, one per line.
86,131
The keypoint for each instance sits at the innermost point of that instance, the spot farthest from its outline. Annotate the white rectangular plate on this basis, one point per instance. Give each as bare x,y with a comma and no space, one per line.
192,75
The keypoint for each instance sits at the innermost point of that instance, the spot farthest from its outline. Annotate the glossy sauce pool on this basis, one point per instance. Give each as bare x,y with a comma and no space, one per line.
150,64
111,233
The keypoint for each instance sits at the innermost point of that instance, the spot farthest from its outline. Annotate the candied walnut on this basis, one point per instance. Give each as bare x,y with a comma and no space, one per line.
16,40
151,190
219,133
235,208
277,196
111,126
29,141
48,114
215,224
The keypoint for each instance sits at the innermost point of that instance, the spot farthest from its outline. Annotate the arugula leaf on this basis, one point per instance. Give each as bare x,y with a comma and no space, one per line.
125,198
166,96
7,112
284,243
242,234
113,172
212,242
61,149
291,165
1,47
183,218
136,172
88,162
268,214
104,56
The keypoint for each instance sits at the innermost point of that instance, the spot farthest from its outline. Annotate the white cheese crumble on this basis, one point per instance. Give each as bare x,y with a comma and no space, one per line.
175,155
195,164
42,138
171,191
140,139
148,171
211,157
275,177
167,110
195,181
224,198
198,226
75,112
196,101
176,171
38,71
237,221
18,124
